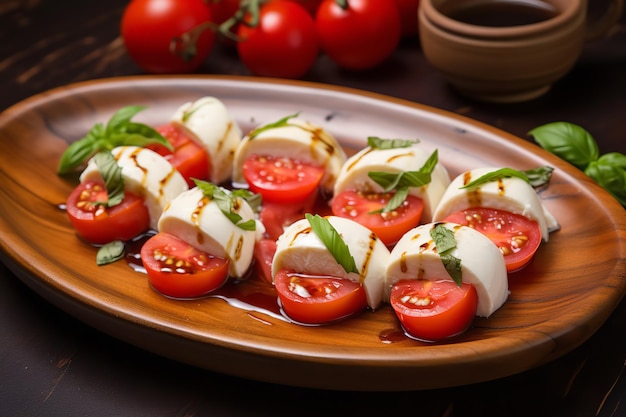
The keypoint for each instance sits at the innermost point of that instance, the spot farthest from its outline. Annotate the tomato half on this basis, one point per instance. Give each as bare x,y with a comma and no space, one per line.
390,226
99,224
264,251
179,270
189,157
434,310
284,43
281,179
154,33
311,299
517,236
361,36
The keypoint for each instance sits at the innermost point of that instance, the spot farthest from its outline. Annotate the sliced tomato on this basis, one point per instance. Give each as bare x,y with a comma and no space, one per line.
189,157
517,236
276,216
364,207
179,270
434,310
264,255
99,224
281,179
312,299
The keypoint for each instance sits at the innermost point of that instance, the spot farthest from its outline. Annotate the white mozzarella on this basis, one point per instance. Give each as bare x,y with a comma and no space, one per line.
509,193
482,265
196,219
301,250
210,123
353,174
298,139
146,174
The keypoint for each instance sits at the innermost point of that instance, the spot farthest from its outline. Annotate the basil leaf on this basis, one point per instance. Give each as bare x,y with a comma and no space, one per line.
378,143
495,175
109,253
445,242
280,123
390,181
333,242
568,141
226,202
609,172
539,176
394,202
119,131
122,117
112,175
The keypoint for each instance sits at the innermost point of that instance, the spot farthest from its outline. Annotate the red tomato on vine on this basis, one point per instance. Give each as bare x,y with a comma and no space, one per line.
361,35
167,36
283,44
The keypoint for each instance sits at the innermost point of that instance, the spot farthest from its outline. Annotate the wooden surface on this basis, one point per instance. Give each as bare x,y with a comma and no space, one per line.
52,364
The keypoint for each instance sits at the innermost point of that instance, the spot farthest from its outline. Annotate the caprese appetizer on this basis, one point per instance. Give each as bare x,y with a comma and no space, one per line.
287,162
440,276
502,204
145,174
389,187
328,268
204,137
205,235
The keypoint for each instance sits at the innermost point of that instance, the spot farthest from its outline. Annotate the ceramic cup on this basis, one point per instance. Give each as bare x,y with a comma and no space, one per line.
507,50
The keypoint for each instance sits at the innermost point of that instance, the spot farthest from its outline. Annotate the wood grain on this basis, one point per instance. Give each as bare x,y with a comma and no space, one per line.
556,303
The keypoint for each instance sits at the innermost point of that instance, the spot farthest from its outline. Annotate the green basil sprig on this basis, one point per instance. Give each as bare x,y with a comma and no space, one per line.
576,145
535,177
111,252
119,131
333,241
402,181
112,175
226,202
378,143
445,242
279,123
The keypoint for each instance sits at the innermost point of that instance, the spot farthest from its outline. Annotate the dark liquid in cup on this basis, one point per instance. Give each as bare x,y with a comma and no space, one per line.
500,13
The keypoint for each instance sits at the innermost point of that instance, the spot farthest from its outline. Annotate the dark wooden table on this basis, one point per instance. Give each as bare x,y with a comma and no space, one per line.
53,365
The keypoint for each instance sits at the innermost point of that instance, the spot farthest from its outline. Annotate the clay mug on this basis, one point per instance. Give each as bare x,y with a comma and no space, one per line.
507,50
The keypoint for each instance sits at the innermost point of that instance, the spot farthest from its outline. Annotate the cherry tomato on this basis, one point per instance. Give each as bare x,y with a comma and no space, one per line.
97,223
155,34
517,236
284,43
276,216
434,310
361,36
189,157
281,179
390,226
408,16
263,256
177,269
314,299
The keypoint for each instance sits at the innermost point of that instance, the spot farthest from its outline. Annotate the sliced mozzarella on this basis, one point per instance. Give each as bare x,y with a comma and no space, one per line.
298,139
146,174
196,219
354,173
301,250
509,193
210,124
482,265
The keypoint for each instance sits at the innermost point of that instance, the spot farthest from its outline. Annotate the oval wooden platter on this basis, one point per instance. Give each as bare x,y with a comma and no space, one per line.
555,304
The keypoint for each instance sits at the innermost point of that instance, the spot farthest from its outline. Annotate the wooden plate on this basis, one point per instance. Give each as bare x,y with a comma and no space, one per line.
556,303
